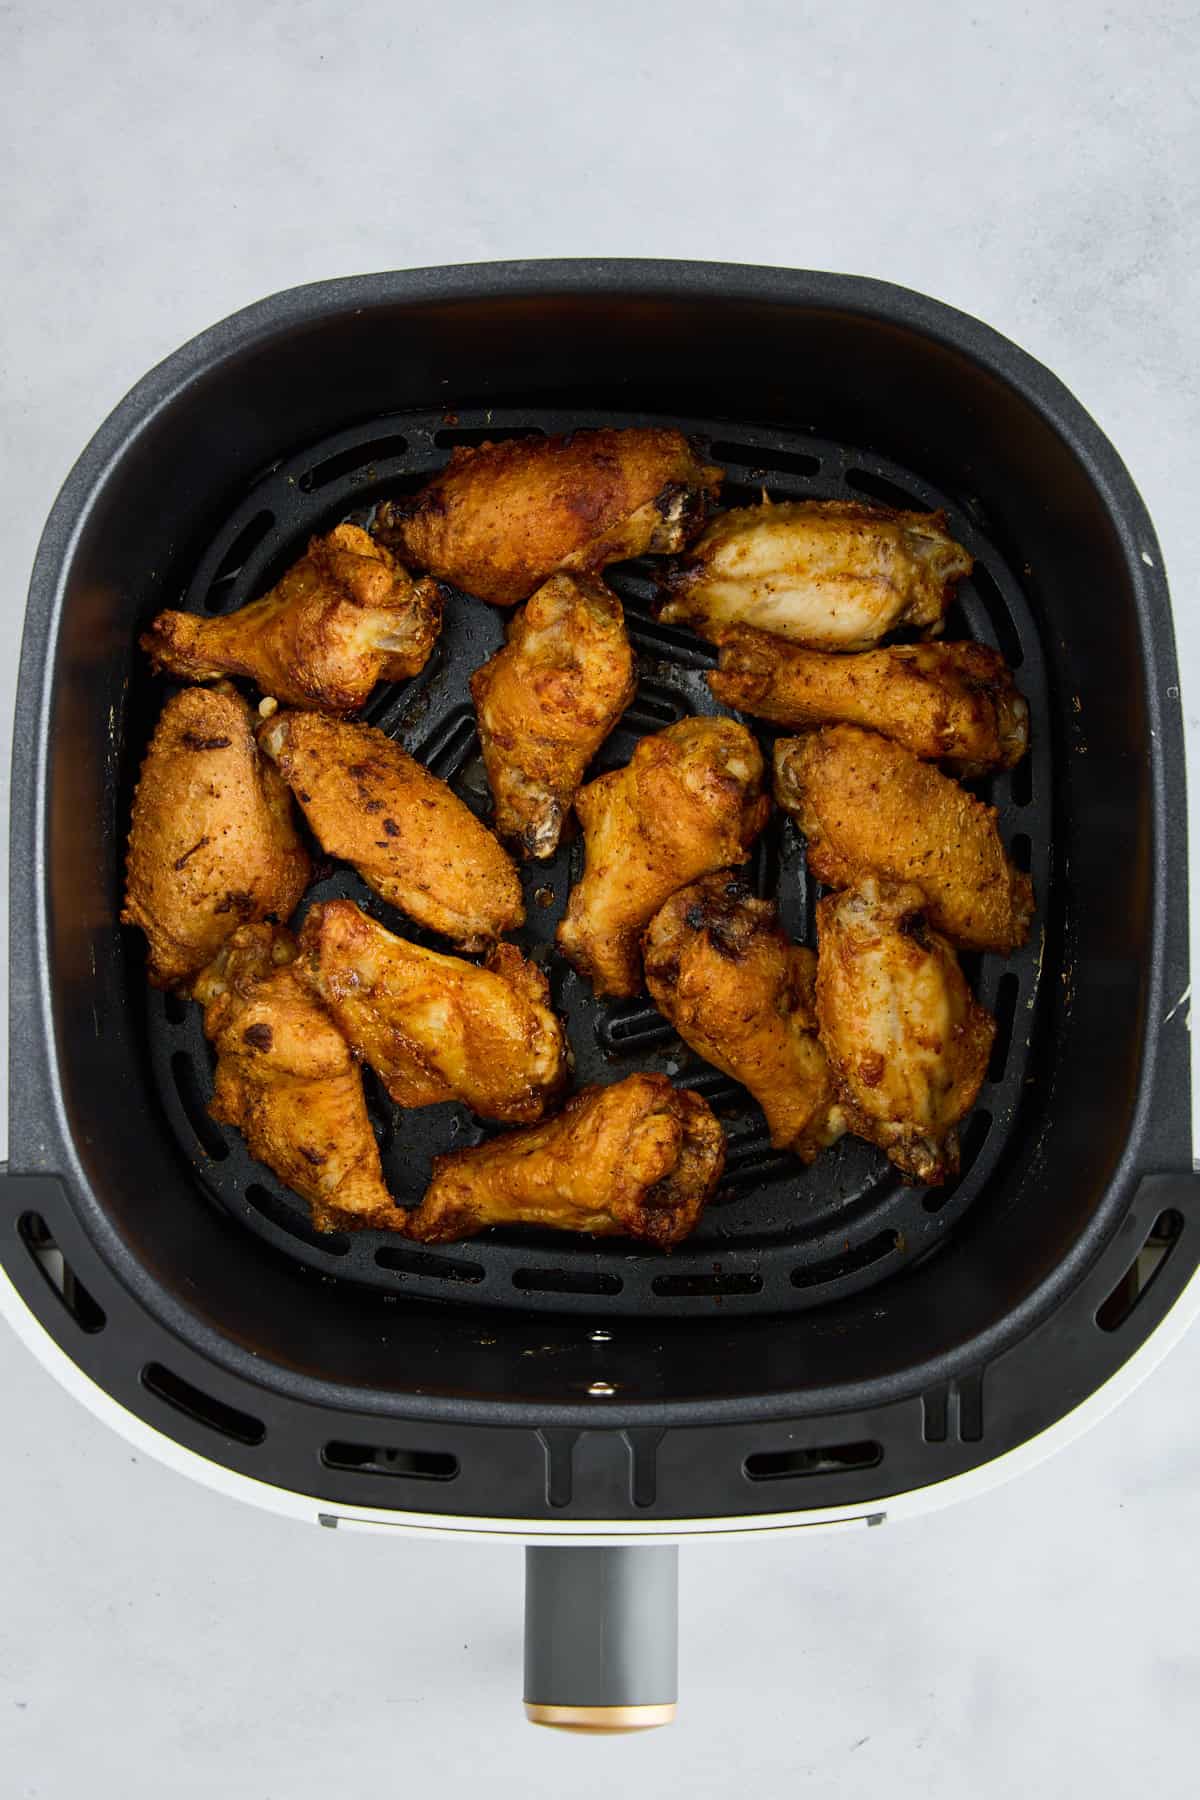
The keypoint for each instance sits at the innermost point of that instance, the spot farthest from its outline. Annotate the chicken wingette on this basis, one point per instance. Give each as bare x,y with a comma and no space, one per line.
435,1027
287,1081
721,970
501,518
831,574
906,1037
638,1159
689,801
953,703
213,841
408,835
341,619
547,701
868,806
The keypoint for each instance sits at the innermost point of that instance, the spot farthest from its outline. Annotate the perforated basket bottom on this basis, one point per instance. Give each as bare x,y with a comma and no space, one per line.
777,1236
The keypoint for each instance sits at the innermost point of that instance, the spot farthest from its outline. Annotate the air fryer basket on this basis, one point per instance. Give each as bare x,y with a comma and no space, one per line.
829,1336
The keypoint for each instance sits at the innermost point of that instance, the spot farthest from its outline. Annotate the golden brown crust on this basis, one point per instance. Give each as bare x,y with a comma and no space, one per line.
434,1027
868,806
906,1037
638,1159
212,840
501,518
547,701
689,801
721,970
344,617
407,834
287,1081
952,703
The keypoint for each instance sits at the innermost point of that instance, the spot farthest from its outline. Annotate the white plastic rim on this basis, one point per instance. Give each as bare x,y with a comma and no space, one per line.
314,1511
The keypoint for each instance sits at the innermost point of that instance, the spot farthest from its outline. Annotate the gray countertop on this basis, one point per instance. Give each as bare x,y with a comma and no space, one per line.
1036,166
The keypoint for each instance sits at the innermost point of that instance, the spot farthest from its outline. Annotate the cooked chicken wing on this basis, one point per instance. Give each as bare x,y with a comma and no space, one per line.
344,617
435,1027
407,834
952,703
501,518
547,701
909,1042
638,1159
689,801
867,806
287,1081
831,574
721,970
212,842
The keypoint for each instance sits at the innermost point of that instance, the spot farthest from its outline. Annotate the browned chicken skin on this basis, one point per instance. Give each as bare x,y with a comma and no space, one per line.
212,842
832,574
342,618
909,1042
501,518
689,801
721,970
287,1081
638,1159
952,703
547,701
435,1027
407,834
868,806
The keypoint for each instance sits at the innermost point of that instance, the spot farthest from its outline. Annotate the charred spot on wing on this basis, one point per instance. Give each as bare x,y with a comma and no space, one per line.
191,740
259,1037
915,925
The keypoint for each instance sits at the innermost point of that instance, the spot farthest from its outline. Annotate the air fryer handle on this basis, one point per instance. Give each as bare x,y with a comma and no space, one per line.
601,1636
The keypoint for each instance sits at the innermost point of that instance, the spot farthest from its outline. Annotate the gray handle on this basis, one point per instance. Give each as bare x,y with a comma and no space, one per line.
601,1636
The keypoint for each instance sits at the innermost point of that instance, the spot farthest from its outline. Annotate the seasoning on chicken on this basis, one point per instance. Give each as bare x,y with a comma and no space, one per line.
906,1037
501,518
287,1081
719,967
953,703
689,801
407,834
831,574
868,806
435,1027
212,841
637,1160
343,618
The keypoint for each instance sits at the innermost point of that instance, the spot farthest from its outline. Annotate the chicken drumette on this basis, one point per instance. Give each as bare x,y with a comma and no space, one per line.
638,1159
342,618
212,841
547,701
501,518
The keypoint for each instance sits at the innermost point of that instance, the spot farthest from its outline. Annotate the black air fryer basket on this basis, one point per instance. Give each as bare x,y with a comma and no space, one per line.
829,1338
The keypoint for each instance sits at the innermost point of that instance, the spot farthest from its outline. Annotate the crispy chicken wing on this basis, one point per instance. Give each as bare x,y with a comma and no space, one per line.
407,834
638,1159
435,1027
689,801
721,970
212,842
501,518
344,617
547,701
909,1042
952,703
287,1081
832,574
868,806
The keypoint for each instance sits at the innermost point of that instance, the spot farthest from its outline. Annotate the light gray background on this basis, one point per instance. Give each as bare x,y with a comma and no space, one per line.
1035,165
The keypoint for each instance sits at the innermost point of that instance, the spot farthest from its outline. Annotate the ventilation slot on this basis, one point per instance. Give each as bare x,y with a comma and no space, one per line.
360,456
985,585
1021,782
191,1098
643,1442
652,709
58,1274
765,463
878,487
1142,1272
566,1281
632,1032
1004,1011
285,1218
698,1287
204,1408
421,1262
175,1008
669,641
451,745
381,1459
483,434
849,1263
220,591
822,1459
1021,851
